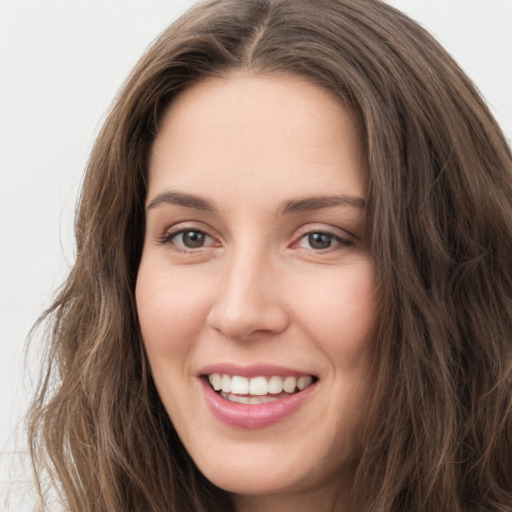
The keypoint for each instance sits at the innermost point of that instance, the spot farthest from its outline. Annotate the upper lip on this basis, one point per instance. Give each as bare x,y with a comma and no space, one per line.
253,370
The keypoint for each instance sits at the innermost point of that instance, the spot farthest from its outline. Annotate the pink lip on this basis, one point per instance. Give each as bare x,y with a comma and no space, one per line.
253,416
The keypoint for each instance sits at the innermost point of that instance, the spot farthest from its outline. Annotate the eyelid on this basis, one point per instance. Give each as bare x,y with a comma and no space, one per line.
327,229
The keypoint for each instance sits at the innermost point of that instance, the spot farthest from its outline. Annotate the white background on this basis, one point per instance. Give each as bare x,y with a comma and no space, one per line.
61,63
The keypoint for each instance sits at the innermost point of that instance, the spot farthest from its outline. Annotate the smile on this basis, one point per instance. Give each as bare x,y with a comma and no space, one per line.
255,402
257,390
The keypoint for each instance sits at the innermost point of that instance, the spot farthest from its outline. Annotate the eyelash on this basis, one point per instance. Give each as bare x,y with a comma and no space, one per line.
170,236
336,242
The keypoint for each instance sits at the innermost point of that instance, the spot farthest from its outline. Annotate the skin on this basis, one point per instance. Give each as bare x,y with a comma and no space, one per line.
258,291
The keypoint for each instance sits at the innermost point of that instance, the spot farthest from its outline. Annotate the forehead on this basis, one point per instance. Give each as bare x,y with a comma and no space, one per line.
260,133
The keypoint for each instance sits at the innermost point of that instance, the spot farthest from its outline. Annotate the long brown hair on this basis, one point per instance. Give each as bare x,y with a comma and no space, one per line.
440,209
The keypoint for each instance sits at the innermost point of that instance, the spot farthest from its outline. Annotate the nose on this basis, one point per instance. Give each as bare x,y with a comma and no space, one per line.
249,302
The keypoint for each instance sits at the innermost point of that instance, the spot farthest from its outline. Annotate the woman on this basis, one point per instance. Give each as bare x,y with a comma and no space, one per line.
292,288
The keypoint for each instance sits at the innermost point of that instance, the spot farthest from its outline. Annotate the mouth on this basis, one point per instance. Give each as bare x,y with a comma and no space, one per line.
257,390
256,396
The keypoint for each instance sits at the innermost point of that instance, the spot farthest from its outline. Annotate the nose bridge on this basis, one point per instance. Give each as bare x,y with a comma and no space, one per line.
248,298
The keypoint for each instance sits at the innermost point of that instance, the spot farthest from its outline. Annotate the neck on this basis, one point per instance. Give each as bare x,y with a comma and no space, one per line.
321,500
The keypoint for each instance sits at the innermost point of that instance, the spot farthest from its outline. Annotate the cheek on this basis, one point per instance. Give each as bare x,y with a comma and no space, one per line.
171,308
339,313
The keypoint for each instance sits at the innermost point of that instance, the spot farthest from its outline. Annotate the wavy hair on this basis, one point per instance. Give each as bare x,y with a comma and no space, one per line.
439,436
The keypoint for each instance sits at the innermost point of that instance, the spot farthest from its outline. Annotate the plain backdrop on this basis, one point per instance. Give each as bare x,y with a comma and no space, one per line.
61,64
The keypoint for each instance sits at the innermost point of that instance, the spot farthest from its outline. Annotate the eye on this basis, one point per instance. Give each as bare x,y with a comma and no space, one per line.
188,239
321,241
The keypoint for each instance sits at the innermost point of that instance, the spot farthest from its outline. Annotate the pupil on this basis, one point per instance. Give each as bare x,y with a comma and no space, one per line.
193,239
319,240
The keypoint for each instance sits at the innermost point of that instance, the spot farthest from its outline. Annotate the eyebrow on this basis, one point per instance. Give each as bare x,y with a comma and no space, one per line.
182,199
291,206
319,202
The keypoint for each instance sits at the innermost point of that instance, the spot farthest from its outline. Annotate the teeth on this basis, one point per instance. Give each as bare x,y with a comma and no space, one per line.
275,385
289,384
250,400
257,387
239,385
226,383
216,381
304,382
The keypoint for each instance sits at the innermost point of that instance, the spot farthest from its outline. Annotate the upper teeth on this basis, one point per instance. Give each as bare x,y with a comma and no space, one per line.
258,385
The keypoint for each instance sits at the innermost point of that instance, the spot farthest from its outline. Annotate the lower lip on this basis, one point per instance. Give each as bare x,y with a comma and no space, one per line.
257,415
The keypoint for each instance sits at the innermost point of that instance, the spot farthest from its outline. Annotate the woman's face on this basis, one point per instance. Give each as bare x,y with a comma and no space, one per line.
255,278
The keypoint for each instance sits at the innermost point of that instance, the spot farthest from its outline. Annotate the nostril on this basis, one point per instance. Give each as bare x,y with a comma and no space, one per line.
243,324
247,304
